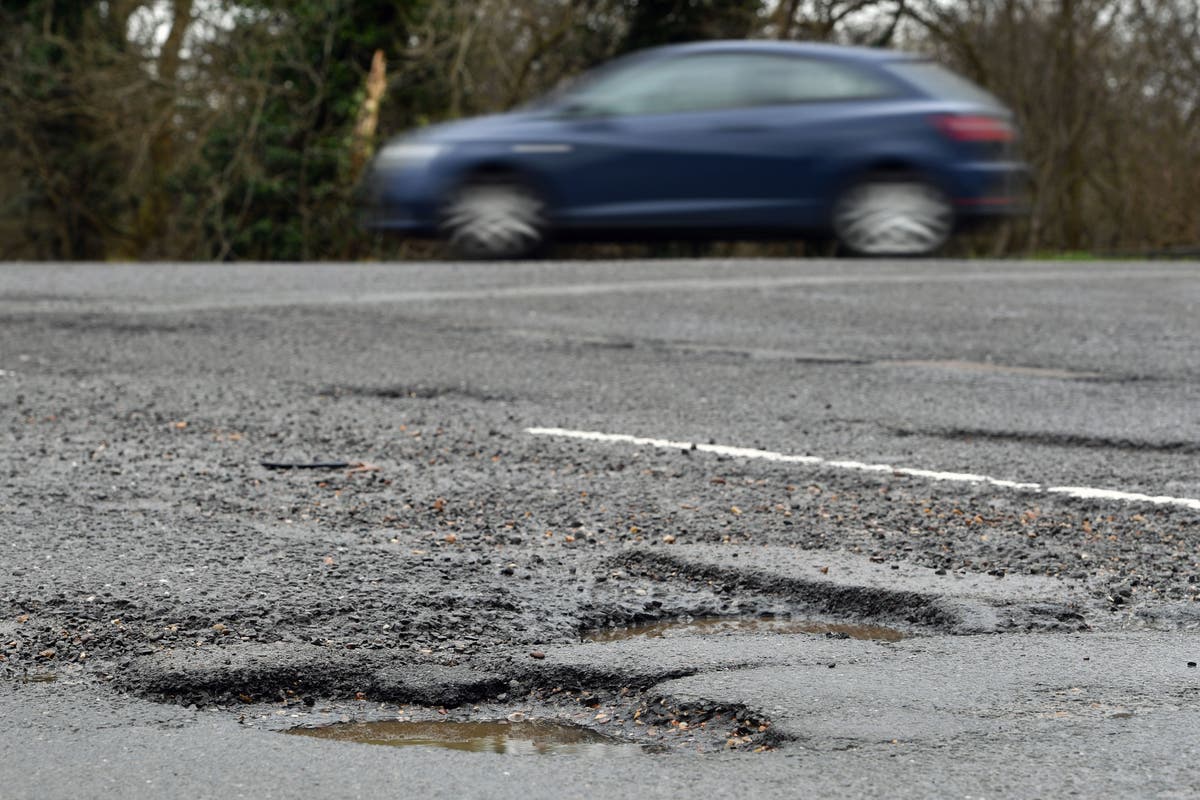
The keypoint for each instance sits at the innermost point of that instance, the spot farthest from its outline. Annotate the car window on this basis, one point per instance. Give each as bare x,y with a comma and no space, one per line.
772,80
724,80
694,83
941,82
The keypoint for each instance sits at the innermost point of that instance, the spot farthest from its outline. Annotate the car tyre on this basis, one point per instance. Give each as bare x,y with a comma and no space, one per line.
893,215
498,217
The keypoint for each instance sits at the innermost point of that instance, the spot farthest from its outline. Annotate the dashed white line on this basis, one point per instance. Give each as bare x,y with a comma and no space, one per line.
1084,492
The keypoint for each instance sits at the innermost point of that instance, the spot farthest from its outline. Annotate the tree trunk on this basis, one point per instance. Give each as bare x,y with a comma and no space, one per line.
153,210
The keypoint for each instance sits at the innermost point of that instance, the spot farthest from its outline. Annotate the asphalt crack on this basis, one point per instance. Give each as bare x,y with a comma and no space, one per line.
1048,439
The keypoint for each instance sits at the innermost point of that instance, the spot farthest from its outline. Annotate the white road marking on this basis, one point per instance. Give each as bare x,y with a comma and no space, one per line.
1085,492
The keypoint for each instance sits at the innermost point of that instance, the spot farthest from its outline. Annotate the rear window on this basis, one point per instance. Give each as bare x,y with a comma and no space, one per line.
941,82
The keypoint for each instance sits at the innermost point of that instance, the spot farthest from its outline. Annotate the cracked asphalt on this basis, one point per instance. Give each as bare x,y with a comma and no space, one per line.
168,602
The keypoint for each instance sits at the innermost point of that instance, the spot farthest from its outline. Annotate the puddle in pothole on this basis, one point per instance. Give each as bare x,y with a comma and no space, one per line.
510,738
710,625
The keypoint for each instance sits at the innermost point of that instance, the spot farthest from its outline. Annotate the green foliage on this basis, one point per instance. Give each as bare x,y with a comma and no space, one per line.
285,191
62,161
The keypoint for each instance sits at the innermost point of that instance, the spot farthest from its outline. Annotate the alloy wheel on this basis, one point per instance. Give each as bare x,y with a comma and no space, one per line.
494,220
893,218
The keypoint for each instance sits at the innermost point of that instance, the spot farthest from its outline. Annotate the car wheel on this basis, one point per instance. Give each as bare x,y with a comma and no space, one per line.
893,216
494,218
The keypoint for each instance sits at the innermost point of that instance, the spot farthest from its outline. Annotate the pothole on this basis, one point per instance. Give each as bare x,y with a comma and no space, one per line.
532,737
38,677
561,702
415,392
718,625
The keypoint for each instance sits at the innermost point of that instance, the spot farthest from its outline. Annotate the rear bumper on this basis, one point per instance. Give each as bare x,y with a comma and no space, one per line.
987,190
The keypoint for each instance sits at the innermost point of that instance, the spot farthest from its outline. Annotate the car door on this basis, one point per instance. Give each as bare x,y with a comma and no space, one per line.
716,139
652,146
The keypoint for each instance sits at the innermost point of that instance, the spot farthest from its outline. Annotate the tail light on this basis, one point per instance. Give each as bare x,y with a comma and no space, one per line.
974,128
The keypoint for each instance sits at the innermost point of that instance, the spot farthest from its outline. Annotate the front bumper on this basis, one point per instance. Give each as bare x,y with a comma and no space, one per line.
403,199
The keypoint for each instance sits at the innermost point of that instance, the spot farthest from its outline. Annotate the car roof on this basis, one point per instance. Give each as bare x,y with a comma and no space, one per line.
813,49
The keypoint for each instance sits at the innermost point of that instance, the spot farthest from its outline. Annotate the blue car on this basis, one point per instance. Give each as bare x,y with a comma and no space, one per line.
887,153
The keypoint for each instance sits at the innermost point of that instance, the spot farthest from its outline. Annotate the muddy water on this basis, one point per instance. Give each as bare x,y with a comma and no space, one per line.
510,738
713,625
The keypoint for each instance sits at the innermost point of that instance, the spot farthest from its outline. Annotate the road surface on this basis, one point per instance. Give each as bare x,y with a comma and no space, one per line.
236,499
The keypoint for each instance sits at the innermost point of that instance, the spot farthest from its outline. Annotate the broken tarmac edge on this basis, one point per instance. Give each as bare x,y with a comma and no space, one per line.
854,587
846,587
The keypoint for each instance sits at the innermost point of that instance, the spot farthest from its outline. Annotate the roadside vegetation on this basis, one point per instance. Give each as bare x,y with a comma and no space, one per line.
209,129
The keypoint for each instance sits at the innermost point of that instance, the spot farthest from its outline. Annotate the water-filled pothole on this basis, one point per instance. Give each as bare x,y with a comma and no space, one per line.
534,737
712,625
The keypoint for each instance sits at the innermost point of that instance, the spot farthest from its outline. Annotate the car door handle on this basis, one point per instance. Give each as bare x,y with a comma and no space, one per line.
741,128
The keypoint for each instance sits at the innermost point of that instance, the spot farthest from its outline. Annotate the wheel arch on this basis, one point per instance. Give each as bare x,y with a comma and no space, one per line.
887,166
503,169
